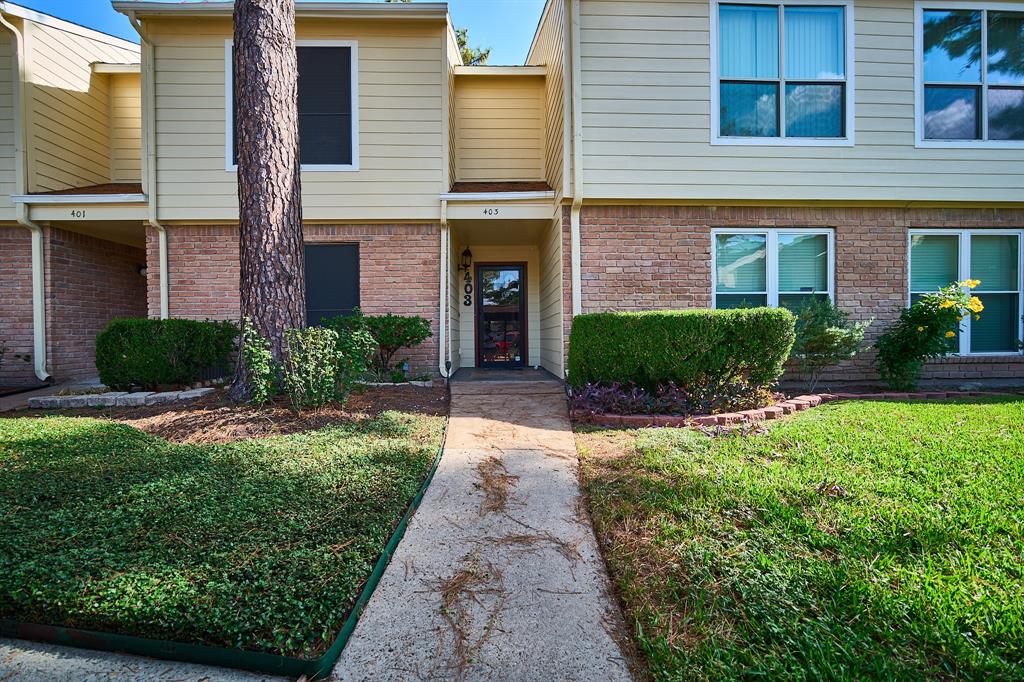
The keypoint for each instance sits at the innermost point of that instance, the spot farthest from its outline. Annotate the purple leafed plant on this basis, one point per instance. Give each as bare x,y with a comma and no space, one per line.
667,398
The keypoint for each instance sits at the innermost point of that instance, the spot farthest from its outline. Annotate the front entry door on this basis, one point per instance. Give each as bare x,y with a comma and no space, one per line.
501,315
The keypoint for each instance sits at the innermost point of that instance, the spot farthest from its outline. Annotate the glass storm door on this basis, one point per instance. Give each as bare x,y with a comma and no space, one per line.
501,315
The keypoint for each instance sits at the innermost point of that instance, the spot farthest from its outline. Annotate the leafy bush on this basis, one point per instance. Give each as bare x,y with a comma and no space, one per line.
356,349
702,352
393,333
264,374
150,353
310,367
825,337
924,330
666,399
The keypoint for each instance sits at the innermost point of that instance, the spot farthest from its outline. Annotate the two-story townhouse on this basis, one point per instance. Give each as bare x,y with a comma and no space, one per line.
72,244
752,152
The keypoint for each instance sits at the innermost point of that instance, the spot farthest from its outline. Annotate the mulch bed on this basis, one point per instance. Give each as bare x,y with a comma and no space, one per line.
215,419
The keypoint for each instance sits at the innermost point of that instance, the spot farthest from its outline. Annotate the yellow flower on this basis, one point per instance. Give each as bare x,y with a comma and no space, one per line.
971,283
975,304
950,335
947,304
977,317
920,329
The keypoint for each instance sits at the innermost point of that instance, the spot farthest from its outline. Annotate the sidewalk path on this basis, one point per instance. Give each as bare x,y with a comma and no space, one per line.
498,576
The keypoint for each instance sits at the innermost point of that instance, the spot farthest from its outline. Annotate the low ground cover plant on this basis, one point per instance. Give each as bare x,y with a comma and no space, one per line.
678,361
825,337
927,329
146,353
858,540
261,545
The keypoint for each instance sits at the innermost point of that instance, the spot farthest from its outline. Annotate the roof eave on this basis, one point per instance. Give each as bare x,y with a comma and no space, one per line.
351,10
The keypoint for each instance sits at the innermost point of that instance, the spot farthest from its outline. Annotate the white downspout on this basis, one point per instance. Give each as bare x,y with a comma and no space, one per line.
442,345
148,83
21,209
577,160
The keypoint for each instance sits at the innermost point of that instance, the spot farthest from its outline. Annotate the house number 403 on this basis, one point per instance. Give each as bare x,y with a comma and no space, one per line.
492,211
467,289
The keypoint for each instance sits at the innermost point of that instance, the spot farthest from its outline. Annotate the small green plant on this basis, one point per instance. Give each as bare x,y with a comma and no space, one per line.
393,333
825,336
925,330
356,348
264,374
310,367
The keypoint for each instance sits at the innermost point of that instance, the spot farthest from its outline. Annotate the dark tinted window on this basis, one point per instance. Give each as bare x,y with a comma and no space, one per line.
332,280
325,106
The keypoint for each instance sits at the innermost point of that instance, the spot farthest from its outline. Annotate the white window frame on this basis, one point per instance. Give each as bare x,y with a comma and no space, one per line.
229,97
851,118
919,139
771,235
964,270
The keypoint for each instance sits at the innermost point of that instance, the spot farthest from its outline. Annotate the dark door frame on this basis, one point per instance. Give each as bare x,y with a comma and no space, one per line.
478,312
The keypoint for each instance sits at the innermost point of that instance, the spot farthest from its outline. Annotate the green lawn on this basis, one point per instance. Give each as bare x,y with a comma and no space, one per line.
261,545
859,540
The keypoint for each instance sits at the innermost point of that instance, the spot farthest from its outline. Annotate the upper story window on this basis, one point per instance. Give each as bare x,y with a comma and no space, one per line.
970,73
783,73
771,267
328,104
940,257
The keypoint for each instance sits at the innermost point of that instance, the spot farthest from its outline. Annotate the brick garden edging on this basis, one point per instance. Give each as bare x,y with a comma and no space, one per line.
116,399
790,406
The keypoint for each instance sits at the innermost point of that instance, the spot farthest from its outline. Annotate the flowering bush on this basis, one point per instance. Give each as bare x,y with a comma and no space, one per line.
925,330
667,398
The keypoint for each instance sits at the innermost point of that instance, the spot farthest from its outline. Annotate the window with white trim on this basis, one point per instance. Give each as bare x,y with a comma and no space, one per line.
971,72
940,257
327,101
782,71
771,267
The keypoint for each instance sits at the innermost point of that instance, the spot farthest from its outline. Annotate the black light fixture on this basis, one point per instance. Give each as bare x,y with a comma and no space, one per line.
466,260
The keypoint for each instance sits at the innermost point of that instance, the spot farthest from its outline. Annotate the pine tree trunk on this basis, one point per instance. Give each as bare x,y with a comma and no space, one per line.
272,279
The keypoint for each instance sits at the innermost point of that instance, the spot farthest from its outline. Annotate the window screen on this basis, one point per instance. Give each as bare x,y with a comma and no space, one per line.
332,280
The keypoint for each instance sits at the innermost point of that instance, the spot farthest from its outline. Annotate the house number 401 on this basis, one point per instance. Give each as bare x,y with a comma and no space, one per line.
77,213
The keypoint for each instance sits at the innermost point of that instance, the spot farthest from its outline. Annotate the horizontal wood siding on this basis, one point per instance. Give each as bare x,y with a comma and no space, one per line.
551,298
646,80
550,50
401,123
7,178
70,108
125,128
500,128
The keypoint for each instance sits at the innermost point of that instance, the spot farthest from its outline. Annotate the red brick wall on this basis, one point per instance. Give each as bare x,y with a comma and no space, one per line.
651,257
89,281
399,273
16,306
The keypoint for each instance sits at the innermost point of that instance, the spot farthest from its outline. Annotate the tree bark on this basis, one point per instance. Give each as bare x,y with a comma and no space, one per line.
272,278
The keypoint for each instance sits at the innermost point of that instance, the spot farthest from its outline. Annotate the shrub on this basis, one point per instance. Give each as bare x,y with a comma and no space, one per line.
825,337
310,367
392,333
264,374
356,348
924,330
150,353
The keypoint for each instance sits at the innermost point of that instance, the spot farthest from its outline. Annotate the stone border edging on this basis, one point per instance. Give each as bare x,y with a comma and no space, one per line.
116,399
799,403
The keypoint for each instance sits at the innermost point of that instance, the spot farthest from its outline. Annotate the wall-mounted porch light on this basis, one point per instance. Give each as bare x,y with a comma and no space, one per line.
467,259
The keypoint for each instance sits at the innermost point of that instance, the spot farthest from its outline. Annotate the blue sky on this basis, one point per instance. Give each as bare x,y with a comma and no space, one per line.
505,25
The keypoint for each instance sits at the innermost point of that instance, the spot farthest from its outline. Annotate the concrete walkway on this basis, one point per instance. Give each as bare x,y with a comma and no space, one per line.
498,576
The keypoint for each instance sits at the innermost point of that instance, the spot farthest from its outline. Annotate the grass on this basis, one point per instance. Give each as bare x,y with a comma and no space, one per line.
261,545
859,540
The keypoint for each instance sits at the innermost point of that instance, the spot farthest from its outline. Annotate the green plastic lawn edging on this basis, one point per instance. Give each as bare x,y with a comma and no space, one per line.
231,658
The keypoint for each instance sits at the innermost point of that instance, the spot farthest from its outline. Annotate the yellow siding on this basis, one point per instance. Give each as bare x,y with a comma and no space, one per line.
454,59
550,50
69,121
500,128
647,119
401,123
125,128
7,178
550,329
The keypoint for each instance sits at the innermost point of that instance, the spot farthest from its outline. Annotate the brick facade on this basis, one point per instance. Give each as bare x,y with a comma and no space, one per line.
398,265
16,306
89,281
659,257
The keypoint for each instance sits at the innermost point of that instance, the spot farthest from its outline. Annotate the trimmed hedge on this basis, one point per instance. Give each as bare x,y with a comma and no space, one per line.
148,353
700,350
